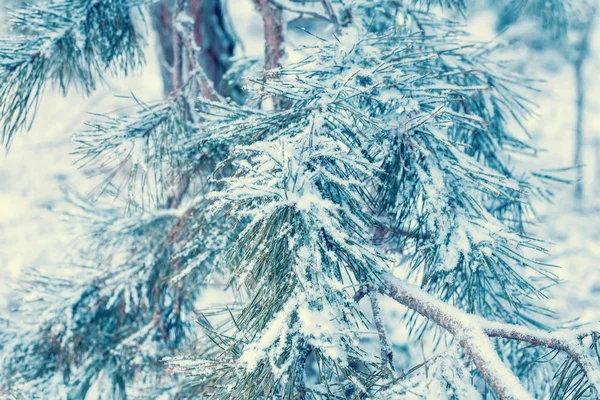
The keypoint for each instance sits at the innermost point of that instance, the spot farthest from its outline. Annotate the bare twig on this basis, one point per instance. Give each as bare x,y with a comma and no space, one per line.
301,11
387,356
331,13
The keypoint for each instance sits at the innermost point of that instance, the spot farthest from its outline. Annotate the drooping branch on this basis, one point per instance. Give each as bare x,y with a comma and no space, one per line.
473,333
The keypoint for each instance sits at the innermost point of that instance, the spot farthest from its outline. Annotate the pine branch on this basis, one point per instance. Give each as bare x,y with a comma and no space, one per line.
72,43
473,333
386,142
368,136
143,263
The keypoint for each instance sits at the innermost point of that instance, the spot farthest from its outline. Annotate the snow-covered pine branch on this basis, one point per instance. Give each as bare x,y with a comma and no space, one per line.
126,303
63,43
370,141
123,305
473,333
388,149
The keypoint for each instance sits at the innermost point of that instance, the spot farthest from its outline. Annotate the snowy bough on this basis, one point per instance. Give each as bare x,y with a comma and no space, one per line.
377,166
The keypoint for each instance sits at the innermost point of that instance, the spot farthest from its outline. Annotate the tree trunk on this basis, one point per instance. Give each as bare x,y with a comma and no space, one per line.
210,33
582,53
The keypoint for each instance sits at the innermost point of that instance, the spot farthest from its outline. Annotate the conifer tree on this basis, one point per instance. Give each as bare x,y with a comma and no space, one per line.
379,161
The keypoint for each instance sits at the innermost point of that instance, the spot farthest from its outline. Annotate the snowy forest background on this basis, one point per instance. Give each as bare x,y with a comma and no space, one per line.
38,172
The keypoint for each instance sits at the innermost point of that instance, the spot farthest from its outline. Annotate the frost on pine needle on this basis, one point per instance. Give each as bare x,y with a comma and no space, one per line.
387,145
119,309
305,183
141,153
445,377
62,43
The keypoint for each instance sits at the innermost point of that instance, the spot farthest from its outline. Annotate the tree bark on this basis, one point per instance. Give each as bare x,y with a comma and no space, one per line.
273,26
272,16
210,33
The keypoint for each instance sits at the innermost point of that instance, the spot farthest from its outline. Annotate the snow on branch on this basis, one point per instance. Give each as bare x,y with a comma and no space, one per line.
369,140
473,333
387,356
393,144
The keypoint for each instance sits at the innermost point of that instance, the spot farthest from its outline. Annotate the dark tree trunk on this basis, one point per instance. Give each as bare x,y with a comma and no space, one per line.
210,33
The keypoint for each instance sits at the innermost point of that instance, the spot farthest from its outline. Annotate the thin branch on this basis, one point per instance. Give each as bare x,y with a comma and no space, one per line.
301,11
473,333
569,342
331,13
387,356
207,88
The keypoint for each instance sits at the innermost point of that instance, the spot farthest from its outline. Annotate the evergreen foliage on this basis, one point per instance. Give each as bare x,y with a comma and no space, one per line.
62,43
392,146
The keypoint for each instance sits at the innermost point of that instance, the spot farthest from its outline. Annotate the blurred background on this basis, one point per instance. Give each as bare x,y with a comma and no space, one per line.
563,64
